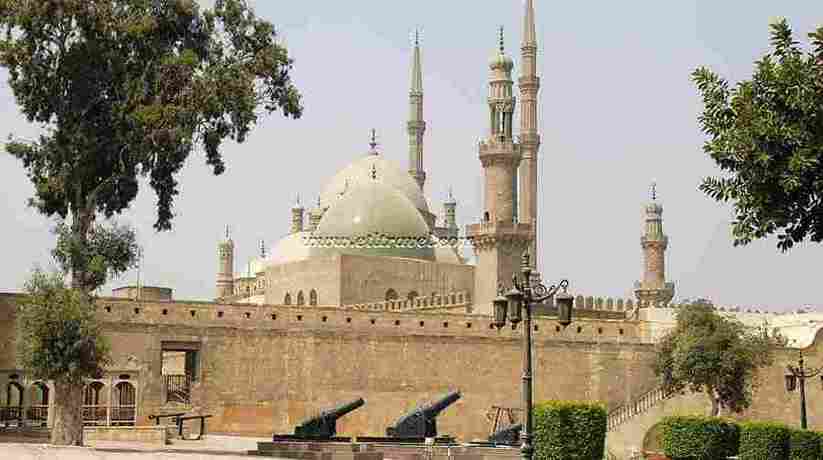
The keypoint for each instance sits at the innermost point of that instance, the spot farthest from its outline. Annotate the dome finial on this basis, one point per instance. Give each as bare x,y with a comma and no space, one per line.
654,190
227,232
373,143
416,37
373,172
262,249
502,49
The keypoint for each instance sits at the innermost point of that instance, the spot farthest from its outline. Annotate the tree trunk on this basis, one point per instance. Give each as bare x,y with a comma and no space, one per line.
715,410
82,221
67,423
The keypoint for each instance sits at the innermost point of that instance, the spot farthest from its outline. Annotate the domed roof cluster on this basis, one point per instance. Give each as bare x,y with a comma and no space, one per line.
370,197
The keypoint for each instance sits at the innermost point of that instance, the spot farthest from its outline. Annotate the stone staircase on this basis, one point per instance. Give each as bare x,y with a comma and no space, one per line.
637,407
628,425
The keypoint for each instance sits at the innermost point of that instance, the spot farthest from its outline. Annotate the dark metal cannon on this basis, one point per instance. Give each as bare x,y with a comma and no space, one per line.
509,436
324,425
422,421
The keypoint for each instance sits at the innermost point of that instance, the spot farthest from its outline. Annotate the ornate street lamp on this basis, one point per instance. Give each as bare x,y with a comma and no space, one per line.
800,373
524,296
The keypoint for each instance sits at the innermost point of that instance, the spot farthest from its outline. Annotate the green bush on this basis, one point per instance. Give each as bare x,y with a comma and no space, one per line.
565,430
804,445
764,441
699,438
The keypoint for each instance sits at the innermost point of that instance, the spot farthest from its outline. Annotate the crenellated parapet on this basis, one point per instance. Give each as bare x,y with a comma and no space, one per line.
450,301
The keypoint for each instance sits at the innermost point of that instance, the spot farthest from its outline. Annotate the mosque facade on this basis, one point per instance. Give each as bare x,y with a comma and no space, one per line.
372,235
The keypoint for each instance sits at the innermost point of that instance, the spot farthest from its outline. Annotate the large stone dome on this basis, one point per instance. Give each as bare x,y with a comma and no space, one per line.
359,171
369,209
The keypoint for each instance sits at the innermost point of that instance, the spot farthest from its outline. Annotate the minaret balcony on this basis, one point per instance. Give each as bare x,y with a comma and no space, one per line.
499,228
662,240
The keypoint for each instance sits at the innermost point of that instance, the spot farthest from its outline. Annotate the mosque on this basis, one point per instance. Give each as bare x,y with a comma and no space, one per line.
372,235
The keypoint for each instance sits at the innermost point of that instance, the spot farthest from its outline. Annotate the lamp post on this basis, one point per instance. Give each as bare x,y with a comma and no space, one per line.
800,373
524,294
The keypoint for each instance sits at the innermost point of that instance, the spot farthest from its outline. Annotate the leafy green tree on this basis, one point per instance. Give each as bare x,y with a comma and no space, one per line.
127,90
709,353
59,339
766,134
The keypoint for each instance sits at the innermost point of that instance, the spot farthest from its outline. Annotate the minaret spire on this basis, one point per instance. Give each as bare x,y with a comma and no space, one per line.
529,84
416,125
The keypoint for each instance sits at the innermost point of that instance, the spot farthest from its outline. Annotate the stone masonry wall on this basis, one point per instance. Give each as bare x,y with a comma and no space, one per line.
265,368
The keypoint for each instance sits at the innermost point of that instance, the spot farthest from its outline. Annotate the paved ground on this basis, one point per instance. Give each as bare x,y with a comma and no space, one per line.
212,448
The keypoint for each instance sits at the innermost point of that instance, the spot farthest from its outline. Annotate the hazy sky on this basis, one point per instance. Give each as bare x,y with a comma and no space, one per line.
617,110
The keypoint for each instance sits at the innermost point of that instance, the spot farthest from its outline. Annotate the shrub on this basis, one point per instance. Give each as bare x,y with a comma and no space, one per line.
764,441
699,438
565,430
804,445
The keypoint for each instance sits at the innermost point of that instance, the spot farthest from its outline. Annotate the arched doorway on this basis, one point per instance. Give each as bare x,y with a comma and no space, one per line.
123,404
95,404
12,411
38,411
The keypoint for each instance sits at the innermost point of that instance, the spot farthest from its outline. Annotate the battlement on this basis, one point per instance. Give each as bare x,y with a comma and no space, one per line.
291,319
454,300
603,303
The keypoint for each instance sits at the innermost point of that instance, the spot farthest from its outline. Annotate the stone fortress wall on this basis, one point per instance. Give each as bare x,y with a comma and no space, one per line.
265,368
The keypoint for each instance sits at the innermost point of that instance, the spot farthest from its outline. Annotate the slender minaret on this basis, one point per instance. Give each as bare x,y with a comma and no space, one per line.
653,290
450,222
416,125
529,84
297,217
498,240
225,267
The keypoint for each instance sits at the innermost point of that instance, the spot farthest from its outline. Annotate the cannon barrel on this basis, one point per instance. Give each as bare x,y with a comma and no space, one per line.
324,425
433,409
338,412
508,436
422,421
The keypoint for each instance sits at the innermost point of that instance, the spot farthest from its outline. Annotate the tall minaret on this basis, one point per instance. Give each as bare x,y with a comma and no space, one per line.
225,267
498,240
529,84
653,290
416,125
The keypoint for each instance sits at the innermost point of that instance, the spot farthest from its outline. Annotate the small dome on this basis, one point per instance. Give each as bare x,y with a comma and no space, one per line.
501,60
359,171
255,266
291,248
370,209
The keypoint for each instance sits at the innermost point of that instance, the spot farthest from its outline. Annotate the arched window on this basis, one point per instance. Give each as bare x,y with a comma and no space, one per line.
412,295
300,299
287,299
91,394
39,394
14,394
486,216
312,297
391,294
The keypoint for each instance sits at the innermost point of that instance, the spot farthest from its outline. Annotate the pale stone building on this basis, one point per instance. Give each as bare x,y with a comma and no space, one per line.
373,237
